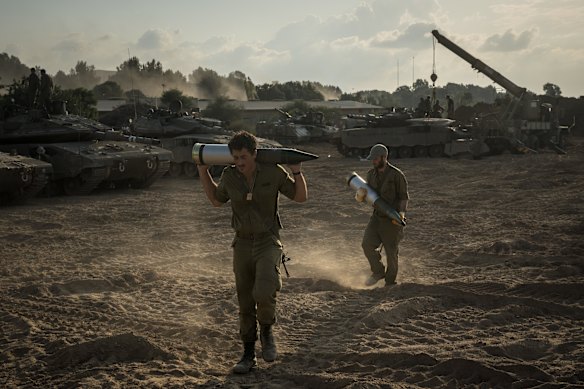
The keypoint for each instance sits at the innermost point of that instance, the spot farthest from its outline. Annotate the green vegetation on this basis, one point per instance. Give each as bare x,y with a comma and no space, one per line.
139,82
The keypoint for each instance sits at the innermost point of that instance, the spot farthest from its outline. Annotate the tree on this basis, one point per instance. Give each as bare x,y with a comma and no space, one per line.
85,74
108,90
291,90
270,92
239,81
172,95
420,84
208,82
466,99
16,96
135,94
297,107
223,110
80,101
63,80
11,68
153,68
552,89
132,64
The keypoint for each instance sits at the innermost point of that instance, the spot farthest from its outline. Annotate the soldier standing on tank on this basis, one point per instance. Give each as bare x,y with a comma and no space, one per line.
420,109
391,185
450,107
46,89
253,189
437,109
427,106
33,87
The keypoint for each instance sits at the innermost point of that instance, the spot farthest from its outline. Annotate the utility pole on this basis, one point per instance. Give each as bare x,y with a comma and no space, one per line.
397,73
413,71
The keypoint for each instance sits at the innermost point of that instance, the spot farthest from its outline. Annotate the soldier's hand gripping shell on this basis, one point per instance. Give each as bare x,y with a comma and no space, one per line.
402,215
361,195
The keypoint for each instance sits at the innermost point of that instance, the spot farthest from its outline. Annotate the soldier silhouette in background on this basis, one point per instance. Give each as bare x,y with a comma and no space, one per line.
33,87
437,110
427,106
46,90
421,108
450,107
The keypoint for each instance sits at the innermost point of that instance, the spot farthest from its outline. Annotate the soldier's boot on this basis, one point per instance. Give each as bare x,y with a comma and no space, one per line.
269,352
248,361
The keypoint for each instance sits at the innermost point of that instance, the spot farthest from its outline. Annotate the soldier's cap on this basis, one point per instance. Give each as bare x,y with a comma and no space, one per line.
377,151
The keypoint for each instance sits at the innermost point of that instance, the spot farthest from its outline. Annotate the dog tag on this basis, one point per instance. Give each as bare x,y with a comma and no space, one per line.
248,197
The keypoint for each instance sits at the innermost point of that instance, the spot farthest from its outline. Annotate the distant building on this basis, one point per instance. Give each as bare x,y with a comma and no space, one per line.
108,105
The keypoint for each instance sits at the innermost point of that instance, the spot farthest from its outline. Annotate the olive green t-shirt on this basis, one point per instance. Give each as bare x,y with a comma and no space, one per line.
391,185
260,213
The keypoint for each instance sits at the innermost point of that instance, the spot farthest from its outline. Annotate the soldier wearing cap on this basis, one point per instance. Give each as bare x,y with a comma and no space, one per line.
253,189
390,183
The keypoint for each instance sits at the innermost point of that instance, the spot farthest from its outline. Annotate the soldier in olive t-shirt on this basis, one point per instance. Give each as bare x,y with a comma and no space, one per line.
253,189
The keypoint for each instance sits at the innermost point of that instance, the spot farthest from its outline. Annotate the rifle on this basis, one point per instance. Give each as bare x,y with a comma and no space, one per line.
285,259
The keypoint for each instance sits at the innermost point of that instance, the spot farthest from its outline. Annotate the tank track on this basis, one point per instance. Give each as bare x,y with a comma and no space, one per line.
85,186
39,181
162,169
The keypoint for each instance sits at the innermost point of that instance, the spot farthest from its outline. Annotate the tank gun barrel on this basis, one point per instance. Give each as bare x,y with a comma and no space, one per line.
286,114
480,66
114,135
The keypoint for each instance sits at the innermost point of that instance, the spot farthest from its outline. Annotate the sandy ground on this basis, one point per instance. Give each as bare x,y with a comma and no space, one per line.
135,288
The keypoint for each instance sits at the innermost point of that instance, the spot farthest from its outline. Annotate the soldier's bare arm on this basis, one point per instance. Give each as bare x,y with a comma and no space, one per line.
209,186
301,194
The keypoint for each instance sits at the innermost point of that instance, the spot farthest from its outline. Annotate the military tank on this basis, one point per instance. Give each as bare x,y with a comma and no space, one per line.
407,137
21,178
83,153
314,122
178,132
309,127
284,130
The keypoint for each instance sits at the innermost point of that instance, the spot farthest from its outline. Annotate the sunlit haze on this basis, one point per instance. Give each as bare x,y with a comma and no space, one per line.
353,44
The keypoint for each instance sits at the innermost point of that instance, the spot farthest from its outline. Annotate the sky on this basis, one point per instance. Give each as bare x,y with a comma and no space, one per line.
353,44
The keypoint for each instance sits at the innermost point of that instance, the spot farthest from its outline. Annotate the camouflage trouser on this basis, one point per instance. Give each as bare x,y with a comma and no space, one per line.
382,231
256,264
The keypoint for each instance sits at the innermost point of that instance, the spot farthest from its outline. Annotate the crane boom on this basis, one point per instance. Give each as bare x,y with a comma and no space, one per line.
480,66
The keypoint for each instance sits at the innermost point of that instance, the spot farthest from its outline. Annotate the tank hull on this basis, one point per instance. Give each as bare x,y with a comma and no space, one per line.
408,138
80,167
21,178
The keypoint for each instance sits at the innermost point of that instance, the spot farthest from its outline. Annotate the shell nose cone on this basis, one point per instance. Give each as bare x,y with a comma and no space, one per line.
284,155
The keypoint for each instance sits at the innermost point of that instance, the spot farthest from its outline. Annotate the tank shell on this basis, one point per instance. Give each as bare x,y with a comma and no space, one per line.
179,133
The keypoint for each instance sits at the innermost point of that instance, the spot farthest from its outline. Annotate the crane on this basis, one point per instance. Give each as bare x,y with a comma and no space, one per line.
536,124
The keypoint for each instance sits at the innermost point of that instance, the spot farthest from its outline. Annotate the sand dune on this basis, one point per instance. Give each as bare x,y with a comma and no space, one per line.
135,288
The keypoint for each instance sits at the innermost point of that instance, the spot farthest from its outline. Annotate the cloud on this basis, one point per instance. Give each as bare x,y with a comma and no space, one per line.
13,49
414,36
509,41
156,39
71,45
